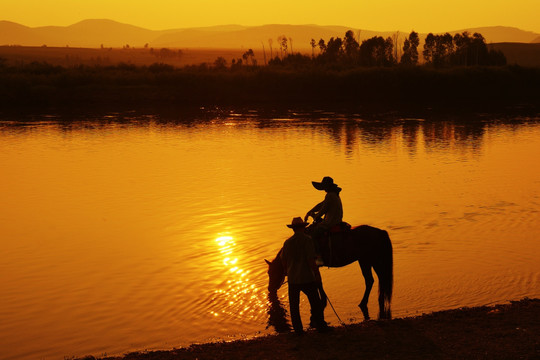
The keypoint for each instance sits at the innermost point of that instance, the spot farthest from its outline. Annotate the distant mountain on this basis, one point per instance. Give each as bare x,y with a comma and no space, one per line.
258,36
499,34
87,33
536,40
13,33
93,33
230,27
97,32
519,53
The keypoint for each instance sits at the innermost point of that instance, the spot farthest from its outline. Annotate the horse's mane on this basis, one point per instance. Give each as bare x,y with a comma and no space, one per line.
278,255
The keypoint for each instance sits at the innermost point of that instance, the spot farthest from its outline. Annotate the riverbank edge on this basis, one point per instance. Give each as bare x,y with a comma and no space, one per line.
504,331
40,86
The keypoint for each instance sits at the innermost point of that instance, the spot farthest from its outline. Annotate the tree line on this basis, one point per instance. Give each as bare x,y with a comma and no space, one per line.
438,51
40,85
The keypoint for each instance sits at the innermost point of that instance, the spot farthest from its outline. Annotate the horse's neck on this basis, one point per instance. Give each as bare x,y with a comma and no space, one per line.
278,256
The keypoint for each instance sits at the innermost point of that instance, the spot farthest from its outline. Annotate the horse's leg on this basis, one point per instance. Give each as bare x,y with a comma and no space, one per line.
368,277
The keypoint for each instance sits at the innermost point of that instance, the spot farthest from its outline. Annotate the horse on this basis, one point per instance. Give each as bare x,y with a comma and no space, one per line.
370,246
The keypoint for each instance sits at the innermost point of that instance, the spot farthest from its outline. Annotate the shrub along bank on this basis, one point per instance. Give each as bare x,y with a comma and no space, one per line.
39,85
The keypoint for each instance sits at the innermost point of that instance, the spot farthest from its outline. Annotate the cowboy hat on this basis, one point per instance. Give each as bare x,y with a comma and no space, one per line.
297,222
326,183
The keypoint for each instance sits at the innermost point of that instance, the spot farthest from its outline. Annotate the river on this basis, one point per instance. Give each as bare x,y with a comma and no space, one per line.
125,232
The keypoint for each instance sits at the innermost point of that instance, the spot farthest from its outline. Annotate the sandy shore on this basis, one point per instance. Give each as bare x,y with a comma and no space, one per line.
508,331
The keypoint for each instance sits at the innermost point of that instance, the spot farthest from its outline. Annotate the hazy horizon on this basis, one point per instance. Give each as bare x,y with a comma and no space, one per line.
388,15
233,25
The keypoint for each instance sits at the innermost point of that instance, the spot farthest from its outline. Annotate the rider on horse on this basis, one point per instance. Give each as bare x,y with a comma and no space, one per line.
330,210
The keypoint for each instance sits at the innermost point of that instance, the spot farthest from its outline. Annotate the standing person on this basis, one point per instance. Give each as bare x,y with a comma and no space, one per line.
298,257
330,210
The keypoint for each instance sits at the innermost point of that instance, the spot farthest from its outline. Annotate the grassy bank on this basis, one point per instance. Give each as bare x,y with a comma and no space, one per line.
509,331
40,85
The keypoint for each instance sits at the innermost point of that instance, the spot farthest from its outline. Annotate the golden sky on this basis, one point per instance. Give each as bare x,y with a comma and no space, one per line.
382,15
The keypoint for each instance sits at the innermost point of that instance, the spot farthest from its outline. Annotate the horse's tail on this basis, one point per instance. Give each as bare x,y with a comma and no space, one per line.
386,277
322,294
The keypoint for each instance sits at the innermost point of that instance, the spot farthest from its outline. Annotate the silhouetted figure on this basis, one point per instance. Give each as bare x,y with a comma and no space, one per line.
330,210
298,259
370,247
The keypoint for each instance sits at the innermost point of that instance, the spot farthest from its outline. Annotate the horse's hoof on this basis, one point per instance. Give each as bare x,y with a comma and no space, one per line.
364,310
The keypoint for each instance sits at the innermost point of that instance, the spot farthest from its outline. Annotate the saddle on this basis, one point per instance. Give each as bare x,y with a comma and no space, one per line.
332,244
339,228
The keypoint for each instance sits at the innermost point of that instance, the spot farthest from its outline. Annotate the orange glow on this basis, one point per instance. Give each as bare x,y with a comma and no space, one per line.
150,235
387,15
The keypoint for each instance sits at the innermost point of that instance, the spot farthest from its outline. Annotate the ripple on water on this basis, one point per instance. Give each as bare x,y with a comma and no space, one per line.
148,236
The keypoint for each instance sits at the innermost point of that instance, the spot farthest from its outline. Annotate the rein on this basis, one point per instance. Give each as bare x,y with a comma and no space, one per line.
327,298
335,312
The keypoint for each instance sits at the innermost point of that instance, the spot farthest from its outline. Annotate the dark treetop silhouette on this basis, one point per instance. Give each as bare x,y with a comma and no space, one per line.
370,246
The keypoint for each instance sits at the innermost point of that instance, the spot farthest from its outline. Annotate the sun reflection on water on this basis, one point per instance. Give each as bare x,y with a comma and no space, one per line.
237,296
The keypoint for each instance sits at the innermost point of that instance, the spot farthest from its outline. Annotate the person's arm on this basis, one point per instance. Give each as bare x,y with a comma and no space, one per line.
323,209
316,212
315,270
311,257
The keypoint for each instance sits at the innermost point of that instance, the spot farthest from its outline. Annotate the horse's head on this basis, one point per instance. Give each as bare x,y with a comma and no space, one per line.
276,275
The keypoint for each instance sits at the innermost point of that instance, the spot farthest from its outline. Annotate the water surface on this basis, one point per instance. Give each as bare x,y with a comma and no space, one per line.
133,232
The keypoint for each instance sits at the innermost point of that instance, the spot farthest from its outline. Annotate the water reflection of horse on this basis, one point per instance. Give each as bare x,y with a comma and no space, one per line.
370,246
277,315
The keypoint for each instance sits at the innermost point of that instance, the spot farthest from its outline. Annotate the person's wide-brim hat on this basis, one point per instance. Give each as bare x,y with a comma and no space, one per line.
326,183
297,222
